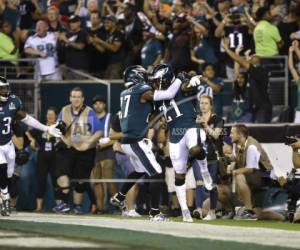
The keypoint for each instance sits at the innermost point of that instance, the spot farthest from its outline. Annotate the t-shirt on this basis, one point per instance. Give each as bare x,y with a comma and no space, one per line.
46,44
26,8
266,37
114,57
7,48
77,58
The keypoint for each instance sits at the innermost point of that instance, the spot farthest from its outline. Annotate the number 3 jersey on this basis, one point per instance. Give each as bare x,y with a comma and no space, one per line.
134,114
180,114
47,44
8,111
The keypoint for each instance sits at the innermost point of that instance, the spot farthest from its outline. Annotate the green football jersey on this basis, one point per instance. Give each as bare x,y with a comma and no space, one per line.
134,114
180,114
8,111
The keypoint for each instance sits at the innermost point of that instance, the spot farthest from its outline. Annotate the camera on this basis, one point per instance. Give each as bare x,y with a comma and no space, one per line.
288,140
62,126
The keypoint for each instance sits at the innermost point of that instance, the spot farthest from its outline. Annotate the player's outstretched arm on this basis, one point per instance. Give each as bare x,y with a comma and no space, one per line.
32,122
160,95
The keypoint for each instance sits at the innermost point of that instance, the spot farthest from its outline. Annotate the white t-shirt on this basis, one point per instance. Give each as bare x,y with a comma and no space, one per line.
47,65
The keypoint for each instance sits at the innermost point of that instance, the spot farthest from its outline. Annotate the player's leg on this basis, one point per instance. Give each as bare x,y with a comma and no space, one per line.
195,139
179,156
147,160
7,166
119,198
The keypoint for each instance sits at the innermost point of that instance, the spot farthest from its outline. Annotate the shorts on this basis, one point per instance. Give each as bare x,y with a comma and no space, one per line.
75,164
125,163
179,152
142,157
103,169
255,180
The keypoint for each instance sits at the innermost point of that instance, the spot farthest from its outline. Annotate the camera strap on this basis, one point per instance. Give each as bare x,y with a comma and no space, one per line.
76,118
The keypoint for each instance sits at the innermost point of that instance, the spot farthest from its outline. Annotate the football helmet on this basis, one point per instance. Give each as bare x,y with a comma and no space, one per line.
135,74
4,89
162,76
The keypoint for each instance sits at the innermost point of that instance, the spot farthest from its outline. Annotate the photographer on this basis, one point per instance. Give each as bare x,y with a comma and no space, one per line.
76,152
292,183
212,125
252,166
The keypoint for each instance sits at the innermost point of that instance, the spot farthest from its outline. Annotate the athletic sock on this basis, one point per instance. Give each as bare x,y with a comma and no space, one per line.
181,196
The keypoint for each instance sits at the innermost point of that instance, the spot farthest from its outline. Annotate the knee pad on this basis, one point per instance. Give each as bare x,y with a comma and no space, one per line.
197,152
179,181
80,187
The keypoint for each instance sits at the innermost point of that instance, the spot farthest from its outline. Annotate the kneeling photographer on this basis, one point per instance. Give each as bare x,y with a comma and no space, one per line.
292,183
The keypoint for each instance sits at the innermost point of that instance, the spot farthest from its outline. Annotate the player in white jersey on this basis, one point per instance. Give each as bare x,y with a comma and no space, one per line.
43,45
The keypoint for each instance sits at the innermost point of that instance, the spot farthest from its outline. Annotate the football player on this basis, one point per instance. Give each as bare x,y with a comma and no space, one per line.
136,107
10,109
185,135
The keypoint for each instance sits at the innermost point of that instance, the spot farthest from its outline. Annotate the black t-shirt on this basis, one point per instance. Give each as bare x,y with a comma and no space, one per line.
179,49
259,80
213,145
116,36
285,30
26,8
238,36
77,58
97,59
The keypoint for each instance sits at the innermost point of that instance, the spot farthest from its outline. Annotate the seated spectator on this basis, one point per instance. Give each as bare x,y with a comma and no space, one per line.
8,50
43,45
75,42
151,53
96,53
267,38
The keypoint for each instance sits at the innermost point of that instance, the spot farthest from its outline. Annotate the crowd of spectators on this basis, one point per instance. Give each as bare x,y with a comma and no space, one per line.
105,36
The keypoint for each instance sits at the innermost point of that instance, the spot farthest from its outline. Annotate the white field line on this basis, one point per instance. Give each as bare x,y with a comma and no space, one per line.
261,236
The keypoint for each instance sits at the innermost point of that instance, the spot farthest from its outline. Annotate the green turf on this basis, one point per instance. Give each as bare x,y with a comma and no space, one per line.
133,239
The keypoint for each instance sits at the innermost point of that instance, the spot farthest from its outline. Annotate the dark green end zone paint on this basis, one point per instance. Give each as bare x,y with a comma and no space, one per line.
133,239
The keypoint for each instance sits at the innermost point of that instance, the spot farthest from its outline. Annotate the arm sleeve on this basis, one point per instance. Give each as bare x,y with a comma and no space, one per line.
32,122
253,155
168,94
276,34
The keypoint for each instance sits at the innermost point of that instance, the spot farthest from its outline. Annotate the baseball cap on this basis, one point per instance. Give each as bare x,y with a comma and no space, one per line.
98,98
74,19
111,18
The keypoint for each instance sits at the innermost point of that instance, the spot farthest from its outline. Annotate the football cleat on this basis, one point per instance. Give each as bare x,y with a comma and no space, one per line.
118,203
158,218
186,215
5,209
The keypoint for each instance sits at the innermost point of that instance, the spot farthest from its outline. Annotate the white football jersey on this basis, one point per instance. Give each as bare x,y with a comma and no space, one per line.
46,44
